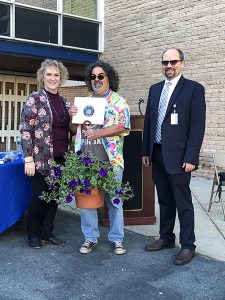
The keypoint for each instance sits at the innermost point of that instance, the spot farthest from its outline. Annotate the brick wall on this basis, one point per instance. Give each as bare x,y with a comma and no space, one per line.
71,92
136,34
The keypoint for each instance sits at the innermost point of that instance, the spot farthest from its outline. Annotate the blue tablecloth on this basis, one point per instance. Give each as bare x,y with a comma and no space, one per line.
15,193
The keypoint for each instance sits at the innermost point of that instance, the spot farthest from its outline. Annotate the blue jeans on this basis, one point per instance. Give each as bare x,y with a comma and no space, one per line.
89,220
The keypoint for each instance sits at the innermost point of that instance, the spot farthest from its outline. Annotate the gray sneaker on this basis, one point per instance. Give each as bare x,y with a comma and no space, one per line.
87,247
119,248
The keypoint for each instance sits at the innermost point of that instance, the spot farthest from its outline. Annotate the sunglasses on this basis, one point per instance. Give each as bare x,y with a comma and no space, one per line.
99,76
172,62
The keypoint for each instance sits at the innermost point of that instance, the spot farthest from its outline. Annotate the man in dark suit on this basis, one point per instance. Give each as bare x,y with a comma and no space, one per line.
173,135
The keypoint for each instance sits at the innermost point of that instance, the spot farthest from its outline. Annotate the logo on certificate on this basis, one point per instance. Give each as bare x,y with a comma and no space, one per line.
88,111
91,109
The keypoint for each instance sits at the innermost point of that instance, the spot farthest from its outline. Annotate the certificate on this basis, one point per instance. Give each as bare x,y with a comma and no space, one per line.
90,109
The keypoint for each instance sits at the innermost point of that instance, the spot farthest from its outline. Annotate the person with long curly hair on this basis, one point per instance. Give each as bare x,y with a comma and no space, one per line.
107,143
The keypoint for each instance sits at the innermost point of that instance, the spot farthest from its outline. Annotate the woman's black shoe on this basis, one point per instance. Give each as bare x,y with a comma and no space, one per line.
35,243
54,241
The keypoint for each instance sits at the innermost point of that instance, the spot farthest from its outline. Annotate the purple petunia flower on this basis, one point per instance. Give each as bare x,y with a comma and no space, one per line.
51,186
78,182
86,182
116,201
72,184
41,198
69,199
86,160
79,152
118,192
58,172
81,190
103,172
87,192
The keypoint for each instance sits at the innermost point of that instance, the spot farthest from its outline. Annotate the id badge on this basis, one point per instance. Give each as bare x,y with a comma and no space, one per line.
174,119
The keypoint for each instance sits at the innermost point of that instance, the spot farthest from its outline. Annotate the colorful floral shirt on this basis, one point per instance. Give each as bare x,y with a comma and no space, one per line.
117,112
36,130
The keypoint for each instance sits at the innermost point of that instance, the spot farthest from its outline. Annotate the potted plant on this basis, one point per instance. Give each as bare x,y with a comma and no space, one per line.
83,174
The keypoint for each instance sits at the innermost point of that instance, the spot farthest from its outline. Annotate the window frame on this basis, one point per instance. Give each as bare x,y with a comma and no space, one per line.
59,12
10,26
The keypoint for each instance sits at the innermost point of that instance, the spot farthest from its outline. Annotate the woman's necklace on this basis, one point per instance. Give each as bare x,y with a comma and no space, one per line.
52,107
64,115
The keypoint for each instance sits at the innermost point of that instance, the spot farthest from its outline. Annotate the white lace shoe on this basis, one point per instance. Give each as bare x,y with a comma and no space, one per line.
119,248
87,247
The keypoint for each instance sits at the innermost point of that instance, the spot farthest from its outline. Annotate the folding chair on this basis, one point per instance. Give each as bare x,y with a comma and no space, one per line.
217,187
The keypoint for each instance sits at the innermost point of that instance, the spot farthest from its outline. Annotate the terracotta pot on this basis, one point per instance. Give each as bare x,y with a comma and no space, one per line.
94,200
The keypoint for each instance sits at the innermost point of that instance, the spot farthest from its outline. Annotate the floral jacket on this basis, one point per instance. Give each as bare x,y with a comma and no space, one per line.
36,130
116,112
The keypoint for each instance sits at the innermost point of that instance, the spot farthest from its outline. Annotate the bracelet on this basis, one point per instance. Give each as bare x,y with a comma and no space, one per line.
28,162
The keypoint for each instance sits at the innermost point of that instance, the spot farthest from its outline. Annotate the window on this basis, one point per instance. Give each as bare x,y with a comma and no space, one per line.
21,89
28,21
62,23
9,88
49,4
33,88
79,33
4,20
83,8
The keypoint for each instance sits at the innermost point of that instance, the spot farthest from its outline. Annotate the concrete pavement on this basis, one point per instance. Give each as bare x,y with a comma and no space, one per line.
63,273
209,226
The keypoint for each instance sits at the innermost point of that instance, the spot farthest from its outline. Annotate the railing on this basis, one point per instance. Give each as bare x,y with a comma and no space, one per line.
11,106
13,92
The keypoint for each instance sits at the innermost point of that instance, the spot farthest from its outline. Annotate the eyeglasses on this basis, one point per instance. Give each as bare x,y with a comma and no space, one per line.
99,76
172,62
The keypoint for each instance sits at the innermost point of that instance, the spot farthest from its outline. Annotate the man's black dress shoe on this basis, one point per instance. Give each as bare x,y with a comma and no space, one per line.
159,245
54,241
184,257
35,243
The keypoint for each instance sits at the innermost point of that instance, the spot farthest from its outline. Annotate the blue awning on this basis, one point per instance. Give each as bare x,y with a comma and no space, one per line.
35,50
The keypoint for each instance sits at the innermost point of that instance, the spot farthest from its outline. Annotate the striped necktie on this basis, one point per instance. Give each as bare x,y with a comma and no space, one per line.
162,110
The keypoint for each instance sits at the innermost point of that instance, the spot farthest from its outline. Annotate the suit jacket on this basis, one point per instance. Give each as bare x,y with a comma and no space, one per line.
181,142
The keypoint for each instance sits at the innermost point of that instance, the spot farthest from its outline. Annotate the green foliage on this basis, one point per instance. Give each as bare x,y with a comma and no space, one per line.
82,172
